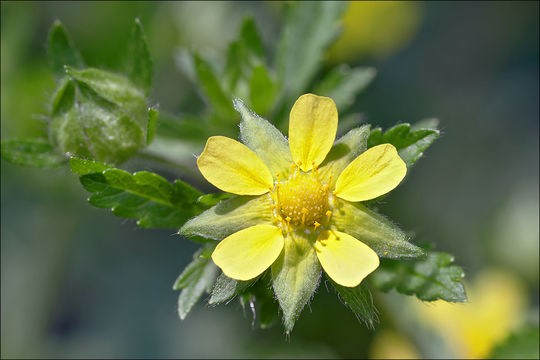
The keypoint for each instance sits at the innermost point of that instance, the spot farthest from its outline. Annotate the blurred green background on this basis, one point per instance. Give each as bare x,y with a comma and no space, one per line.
78,282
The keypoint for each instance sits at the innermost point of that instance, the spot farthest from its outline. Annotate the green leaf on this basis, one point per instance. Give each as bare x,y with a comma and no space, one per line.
153,116
295,276
310,27
430,278
61,50
521,344
343,83
83,167
139,67
226,288
251,38
262,90
36,153
229,216
410,143
144,196
377,232
360,301
215,95
198,277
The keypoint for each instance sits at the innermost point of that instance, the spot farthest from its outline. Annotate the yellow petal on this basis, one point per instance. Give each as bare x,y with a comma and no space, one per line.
346,260
247,253
374,173
312,129
233,167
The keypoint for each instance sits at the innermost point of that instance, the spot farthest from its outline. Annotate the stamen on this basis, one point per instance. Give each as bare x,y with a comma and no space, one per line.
328,214
316,225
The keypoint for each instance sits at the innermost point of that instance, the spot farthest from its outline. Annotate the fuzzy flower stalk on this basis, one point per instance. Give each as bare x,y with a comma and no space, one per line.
298,202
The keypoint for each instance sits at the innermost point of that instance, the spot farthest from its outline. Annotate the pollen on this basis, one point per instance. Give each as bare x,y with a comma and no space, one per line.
302,199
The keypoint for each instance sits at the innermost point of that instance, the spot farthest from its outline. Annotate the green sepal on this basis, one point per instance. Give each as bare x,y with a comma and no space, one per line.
260,301
35,153
229,216
145,196
196,279
359,300
410,141
115,89
264,139
98,115
61,50
225,289
343,83
386,239
345,150
295,276
139,65
429,278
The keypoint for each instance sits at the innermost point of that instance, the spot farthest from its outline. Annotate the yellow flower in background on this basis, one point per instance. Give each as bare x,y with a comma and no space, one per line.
303,194
497,302
376,28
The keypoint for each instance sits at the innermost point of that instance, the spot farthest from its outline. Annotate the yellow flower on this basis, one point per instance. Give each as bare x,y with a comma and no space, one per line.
300,192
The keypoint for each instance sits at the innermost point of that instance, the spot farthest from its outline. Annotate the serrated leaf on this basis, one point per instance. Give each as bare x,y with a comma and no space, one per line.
226,288
36,153
521,344
430,278
61,50
343,83
153,116
198,277
145,196
295,277
139,65
215,95
262,90
83,166
410,144
360,301
310,27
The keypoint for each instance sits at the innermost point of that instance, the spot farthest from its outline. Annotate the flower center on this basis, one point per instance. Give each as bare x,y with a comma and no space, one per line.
302,201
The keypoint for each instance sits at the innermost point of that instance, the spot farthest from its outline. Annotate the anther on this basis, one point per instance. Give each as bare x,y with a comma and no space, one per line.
316,225
328,214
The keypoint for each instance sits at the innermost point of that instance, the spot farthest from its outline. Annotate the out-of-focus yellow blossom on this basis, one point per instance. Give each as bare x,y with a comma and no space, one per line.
496,306
376,28
389,344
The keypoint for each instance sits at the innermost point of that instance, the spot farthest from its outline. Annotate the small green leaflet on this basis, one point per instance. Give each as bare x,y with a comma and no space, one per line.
36,153
343,83
198,277
360,301
144,196
61,50
411,142
429,278
309,28
139,66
